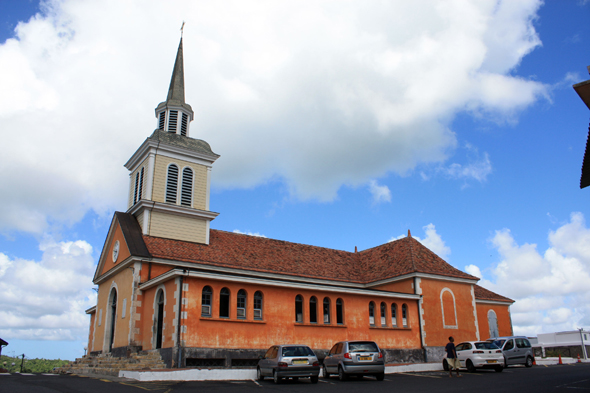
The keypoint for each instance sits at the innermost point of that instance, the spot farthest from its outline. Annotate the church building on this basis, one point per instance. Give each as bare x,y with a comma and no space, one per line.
202,297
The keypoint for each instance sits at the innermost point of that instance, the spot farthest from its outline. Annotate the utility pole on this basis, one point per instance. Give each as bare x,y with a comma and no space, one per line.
583,345
22,363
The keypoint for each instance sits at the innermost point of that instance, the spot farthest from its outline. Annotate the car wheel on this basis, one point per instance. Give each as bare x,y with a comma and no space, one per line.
380,377
259,375
529,362
470,366
341,374
326,373
276,378
445,365
314,379
499,369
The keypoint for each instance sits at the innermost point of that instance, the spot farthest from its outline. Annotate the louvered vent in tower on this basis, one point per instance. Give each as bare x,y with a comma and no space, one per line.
162,120
187,187
172,184
172,121
139,192
184,124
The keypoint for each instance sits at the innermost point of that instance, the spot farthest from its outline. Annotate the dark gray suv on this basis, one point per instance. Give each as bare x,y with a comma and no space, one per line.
516,350
355,358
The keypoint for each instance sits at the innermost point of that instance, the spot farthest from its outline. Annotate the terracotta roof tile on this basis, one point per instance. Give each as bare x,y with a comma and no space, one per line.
485,294
239,251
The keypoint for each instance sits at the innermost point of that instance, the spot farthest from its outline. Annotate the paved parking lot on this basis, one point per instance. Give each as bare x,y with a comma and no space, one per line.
538,379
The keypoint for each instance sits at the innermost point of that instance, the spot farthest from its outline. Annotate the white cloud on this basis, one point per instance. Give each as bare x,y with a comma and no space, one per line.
248,233
46,299
551,287
317,94
379,193
432,241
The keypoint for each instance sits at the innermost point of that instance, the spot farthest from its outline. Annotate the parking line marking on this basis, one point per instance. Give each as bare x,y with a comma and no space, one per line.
419,375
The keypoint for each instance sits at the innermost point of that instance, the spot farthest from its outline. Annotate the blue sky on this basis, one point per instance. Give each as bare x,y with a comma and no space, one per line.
337,127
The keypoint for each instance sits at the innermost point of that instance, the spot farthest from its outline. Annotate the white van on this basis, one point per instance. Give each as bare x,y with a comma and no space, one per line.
516,350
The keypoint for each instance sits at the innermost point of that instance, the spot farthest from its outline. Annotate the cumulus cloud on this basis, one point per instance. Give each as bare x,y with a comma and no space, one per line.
249,233
46,299
551,286
432,241
317,94
379,193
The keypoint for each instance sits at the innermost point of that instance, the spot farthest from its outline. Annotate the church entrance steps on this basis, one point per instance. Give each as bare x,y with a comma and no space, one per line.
106,364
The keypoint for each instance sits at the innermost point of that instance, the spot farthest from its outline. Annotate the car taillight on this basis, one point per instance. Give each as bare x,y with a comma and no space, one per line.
499,351
283,364
477,351
380,355
316,364
347,356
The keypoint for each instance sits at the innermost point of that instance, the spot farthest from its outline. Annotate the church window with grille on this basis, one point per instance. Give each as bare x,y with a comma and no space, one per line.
172,184
299,309
172,121
326,310
186,195
206,301
313,310
339,312
241,304
258,305
372,314
138,186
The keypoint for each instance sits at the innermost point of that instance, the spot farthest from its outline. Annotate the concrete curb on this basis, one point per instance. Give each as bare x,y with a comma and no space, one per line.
249,374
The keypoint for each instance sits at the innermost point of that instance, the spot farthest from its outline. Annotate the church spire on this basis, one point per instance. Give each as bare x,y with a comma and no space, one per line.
176,90
174,115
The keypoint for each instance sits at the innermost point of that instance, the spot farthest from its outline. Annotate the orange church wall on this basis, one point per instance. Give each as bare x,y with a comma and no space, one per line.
438,329
278,324
122,282
404,286
123,250
91,331
502,315
149,314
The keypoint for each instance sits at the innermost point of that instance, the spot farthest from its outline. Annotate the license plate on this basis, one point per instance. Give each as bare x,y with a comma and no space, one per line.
492,361
365,358
299,361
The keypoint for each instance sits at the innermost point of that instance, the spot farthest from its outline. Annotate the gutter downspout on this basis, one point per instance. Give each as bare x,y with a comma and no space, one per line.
420,321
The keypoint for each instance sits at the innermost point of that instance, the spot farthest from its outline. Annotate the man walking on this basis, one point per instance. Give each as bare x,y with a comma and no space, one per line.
452,360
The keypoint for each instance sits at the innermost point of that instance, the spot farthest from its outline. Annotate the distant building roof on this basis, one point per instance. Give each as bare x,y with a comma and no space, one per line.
485,294
3,343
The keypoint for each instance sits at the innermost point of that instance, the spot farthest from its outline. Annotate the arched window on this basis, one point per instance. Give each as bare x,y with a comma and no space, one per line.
448,309
493,323
258,305
172,184
299,309
405,315
138,186
326,310
313,310
383,314
394,315
224,303
339,312
241,304
159,320
372,314
186,194
206,301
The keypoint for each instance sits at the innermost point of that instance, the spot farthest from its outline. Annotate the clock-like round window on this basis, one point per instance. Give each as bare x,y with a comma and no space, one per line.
115,251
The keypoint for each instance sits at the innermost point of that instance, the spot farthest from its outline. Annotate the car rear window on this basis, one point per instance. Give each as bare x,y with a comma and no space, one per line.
499,343
297,351
486,345
367,346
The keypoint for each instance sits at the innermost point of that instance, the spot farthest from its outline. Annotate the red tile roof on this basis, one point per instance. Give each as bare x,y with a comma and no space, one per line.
485,294
239,251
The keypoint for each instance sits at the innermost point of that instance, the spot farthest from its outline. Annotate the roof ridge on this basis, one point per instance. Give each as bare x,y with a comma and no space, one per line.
412,259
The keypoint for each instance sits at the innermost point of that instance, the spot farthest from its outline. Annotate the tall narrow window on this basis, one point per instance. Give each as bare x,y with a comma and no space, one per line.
313,310
383,314
241,304
493,323
394,315
184,124
258,305
224,303
172,184
206,301
138,186
161,120
326,310
299,309
339,312
405,315
140,192
186,195
160,319
172,121
372,314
